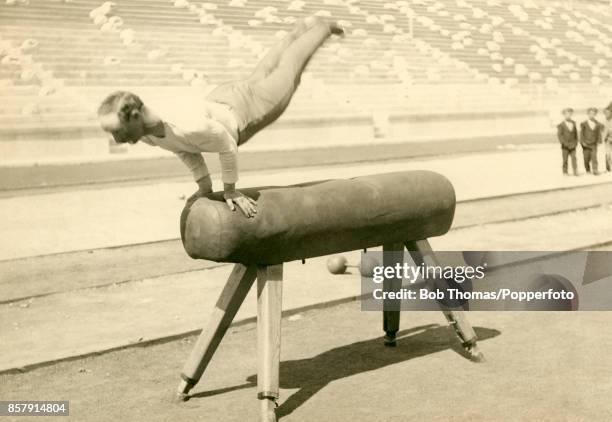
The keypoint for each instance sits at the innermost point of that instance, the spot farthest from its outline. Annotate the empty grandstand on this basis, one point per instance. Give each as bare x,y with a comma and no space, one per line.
403,66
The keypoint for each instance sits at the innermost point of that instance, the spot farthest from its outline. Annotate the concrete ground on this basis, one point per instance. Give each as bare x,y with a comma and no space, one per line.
540,366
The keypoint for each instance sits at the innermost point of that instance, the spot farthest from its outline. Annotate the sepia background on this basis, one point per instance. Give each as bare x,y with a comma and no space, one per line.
91,264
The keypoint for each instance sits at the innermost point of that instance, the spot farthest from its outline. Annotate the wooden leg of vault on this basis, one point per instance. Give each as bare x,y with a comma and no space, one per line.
269,309
238,285
421,253
394,253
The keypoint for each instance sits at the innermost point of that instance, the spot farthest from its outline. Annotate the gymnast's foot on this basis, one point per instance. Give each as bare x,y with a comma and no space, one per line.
336,28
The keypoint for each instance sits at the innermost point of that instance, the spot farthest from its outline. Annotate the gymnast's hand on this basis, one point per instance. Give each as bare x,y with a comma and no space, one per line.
247,205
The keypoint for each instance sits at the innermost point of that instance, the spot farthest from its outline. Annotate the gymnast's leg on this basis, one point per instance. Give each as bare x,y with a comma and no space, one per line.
272,57
271,94
293,60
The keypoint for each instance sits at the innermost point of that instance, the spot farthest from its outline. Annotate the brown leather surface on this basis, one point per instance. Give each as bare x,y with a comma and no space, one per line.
319,218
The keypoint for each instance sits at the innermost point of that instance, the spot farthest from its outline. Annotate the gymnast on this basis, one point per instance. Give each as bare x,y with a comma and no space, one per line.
233,113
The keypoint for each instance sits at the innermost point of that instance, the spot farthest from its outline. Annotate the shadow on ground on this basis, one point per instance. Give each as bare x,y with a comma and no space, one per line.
312,374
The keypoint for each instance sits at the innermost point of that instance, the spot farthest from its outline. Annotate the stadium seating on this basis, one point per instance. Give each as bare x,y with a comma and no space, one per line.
59,58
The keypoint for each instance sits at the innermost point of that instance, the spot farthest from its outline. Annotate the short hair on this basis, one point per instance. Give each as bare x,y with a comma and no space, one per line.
592,109
568,110
120,103
609,108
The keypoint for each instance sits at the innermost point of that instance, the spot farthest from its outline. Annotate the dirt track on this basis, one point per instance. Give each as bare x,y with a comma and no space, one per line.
546,366
540,366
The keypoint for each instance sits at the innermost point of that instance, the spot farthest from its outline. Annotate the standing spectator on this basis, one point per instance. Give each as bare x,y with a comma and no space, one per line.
590,135
568,138
607,136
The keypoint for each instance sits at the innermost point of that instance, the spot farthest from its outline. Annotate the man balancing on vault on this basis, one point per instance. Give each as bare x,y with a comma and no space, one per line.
233,113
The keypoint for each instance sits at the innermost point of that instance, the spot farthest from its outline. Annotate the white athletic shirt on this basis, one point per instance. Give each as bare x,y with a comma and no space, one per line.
216,131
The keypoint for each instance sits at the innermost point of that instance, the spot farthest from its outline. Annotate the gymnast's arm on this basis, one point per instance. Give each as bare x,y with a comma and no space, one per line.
213,137
228,158
195,163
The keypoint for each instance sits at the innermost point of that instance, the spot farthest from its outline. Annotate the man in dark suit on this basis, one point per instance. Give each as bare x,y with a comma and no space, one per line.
590,135
567,133
607,136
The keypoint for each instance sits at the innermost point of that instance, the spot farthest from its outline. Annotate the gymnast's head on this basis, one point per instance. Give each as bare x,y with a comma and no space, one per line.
123,115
